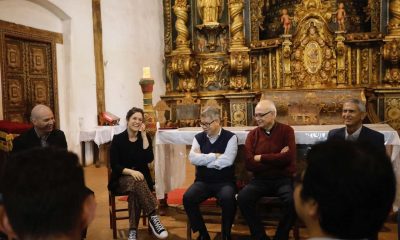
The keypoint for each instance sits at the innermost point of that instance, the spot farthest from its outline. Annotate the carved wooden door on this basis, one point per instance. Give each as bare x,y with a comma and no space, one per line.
28,77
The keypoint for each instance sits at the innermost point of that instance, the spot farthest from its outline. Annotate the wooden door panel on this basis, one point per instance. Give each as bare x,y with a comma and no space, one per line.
38,59
28,77
40,91
14,56
16,93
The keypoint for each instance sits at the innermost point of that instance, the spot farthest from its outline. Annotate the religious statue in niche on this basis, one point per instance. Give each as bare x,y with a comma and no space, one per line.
286,20
210,11
201,43
340,17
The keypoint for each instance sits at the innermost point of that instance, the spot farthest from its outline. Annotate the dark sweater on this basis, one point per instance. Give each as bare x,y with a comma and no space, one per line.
30,139
212,175
273,163
127,154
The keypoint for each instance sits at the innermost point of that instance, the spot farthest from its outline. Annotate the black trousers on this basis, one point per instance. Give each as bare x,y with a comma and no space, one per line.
200,191
257,188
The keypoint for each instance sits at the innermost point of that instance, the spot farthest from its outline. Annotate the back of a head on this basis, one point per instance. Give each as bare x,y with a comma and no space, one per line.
354,186
43,191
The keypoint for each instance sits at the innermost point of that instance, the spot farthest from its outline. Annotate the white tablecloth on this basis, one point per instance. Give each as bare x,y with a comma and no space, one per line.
100,134
170,150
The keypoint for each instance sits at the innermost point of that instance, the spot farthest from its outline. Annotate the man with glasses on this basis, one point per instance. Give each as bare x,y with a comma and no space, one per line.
213,153
270,156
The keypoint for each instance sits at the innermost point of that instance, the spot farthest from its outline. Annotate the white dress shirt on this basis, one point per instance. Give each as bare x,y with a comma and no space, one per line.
210,160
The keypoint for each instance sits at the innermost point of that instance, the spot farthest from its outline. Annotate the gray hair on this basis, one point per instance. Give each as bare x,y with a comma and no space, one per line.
211,112
358,102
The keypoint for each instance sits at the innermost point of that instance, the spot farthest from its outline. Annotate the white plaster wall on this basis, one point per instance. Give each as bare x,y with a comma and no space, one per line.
29,14
132,39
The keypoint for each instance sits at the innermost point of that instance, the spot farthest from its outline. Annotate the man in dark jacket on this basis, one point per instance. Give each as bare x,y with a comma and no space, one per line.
353,114
43,133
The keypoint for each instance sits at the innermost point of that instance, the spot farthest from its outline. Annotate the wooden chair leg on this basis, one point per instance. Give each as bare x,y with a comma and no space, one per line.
113,218
188,231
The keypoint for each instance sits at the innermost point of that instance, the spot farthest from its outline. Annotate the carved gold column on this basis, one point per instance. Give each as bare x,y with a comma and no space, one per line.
182,61
239,60
286,50
341,59
391,49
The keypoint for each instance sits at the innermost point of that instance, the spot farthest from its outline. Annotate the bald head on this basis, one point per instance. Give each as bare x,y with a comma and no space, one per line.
43,119
266,105
265,114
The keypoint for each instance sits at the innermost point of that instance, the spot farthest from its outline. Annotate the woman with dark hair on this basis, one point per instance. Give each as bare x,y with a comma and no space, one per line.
130,153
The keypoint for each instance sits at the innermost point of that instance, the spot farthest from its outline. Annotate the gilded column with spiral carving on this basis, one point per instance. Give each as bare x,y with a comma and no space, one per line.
182,61
182,16
239,61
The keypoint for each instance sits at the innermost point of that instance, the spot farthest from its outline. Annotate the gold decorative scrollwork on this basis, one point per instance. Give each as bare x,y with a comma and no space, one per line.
392,111
391,51
313,61
238,114
313,8
394,22
168,26
211,69
239,62
183,66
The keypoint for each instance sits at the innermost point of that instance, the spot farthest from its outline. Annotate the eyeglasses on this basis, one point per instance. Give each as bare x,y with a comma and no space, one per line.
206,124
260,115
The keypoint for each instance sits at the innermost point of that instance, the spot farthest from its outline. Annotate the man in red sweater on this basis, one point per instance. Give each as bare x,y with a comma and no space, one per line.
270,156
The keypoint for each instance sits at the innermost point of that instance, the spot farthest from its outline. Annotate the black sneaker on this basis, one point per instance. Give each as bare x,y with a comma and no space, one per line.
132,234
157,228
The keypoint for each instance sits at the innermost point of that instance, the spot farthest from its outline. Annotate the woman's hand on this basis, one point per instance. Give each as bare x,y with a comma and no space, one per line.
142,129
138,176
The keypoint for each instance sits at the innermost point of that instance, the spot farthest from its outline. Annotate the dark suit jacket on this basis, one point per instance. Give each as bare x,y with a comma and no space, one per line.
366,135
29,140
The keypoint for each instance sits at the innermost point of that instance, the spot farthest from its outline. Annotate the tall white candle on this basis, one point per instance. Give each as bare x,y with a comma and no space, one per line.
146,72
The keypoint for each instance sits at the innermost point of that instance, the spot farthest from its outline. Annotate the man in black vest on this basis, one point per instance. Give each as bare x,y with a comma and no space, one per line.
43,133
213,153
353,114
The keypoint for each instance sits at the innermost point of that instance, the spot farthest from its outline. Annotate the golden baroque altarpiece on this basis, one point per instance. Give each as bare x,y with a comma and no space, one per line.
306,55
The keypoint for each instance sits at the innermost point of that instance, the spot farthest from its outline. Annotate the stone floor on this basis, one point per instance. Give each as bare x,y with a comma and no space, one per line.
174,221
